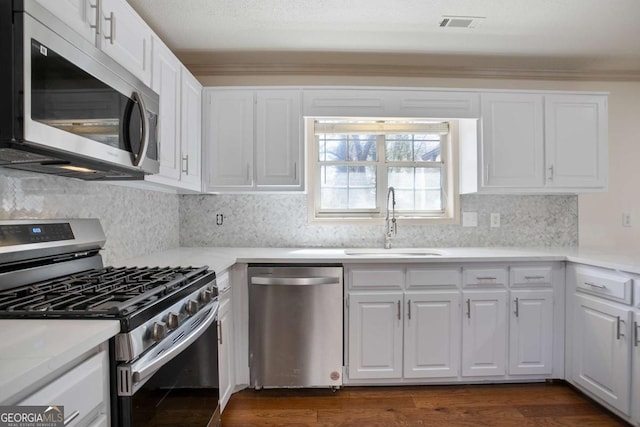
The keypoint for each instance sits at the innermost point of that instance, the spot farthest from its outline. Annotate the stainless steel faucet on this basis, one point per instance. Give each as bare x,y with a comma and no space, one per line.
391,224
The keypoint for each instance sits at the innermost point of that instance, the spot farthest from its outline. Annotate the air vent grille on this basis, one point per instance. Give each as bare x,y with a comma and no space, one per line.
461,21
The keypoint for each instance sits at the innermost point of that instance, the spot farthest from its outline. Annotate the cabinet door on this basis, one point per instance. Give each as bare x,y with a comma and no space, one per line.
226,359
80,15
636,366
576,141
229,138
531,332
166,81
512,140
601,350
432,334
278,138
191,117
375,335
126,38
484,333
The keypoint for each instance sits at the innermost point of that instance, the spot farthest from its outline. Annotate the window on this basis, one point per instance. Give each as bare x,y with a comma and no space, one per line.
354,162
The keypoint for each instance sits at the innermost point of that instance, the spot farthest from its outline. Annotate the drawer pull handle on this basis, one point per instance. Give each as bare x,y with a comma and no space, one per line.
486,278
637,329
595,285
468,308
73,416
534,277
619,333
517,311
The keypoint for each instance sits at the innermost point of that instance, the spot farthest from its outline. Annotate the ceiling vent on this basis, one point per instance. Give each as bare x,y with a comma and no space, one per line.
461,21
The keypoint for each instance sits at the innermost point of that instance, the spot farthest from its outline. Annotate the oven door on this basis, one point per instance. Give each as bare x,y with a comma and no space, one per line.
175,382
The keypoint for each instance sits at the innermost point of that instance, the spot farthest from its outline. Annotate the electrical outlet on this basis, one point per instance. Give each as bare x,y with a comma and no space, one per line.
626,219
469,219
495,220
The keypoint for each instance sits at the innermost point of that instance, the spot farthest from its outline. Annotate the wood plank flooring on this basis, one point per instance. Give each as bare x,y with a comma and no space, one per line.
522,405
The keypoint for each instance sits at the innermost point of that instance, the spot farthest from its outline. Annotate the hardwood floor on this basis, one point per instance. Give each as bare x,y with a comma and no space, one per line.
522,405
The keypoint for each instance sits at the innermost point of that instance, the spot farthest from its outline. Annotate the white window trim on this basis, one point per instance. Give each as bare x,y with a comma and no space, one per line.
451,195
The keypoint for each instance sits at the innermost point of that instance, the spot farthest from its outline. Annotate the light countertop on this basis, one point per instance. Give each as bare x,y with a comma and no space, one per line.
219,259
31,349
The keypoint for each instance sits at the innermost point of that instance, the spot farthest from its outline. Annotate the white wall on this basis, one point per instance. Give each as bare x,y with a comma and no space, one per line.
600,214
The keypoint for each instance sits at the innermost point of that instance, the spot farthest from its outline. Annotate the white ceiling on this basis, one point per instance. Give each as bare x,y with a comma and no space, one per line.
602,30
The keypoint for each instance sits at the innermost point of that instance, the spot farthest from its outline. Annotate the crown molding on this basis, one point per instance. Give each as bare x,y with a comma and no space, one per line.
408,65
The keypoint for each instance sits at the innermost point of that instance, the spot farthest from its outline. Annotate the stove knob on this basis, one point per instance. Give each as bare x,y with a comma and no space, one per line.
206,296
192,307
173,321
158,331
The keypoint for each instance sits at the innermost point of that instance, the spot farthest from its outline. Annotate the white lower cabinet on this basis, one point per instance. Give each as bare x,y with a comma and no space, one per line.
431,334
635,355
226,353
484,333
375,335
531,332
601,350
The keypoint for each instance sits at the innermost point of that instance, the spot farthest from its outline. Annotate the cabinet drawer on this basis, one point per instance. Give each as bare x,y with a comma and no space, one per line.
81,389
377,278
530,276
604,283
430,278
493,277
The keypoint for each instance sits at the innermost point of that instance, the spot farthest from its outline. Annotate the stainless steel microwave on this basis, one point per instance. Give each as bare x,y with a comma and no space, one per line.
66,108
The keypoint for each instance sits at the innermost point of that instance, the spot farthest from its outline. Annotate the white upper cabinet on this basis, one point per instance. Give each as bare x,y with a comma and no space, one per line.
166,81
80,15
228,139
113,26
126,38
253,140
576,133
540,142
191,131
512,136
390,103
179,121
278,138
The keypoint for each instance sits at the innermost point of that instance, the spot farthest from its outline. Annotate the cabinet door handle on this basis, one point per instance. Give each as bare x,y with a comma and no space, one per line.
219,326
399,308
486,174
247,180
409,309
517,311
595,285
619,333
468,308
97,16
636,327
295,171
112,27
185,159
550,177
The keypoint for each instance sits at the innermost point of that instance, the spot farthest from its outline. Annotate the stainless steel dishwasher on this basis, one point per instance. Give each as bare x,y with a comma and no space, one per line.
295,326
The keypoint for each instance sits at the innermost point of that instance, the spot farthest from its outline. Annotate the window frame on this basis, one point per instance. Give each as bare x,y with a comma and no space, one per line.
450,194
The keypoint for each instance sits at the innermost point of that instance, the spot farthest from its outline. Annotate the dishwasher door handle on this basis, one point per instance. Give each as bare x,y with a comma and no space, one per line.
294,281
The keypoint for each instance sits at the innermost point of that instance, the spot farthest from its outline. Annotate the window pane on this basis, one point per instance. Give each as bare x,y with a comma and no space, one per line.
347,187
416,148
362,148
332,148
416,188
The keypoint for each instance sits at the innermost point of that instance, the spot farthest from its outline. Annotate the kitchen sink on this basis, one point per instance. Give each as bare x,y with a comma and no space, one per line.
396,253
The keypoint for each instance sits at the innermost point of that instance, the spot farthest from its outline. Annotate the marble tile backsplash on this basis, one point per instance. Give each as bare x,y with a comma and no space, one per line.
281,221
136,222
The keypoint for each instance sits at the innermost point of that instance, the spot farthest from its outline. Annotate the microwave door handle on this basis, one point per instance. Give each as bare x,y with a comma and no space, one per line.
144,138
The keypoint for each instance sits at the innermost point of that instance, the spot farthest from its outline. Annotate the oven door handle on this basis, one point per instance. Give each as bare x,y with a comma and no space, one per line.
146,371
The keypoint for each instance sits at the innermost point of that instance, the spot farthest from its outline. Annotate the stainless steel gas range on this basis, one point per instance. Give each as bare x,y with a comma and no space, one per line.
166,351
